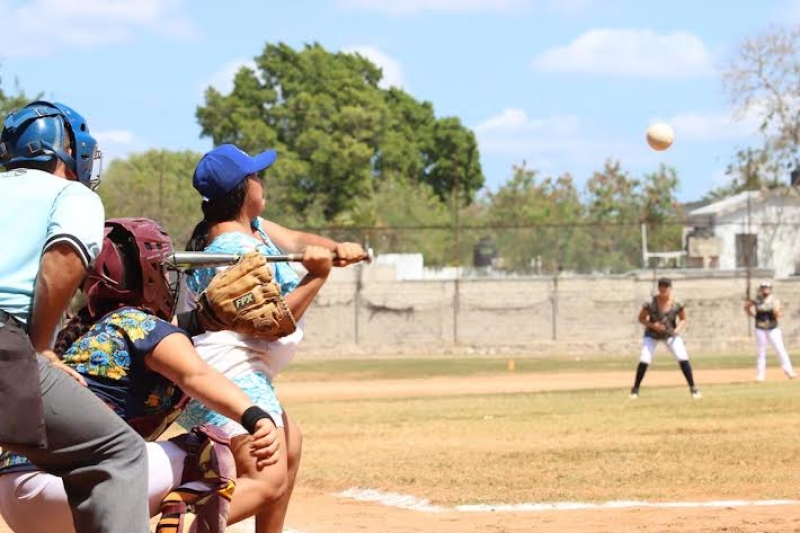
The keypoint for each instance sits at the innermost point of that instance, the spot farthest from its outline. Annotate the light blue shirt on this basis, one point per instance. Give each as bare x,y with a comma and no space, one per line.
239,244
38,211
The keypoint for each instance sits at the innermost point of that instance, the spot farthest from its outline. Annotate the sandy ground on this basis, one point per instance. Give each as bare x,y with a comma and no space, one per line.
314,512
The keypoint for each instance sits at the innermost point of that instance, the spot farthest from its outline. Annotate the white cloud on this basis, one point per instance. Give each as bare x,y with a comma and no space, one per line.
38,27
118,144
553,143
222,79
408,7
392,71
630,52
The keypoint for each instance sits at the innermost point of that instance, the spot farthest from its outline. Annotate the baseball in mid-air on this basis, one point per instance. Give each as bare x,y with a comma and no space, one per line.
660,136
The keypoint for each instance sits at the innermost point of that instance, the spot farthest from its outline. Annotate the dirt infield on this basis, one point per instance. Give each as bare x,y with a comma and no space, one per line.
315,512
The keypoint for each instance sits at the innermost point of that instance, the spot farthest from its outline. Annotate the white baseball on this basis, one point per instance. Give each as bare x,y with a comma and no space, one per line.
660,136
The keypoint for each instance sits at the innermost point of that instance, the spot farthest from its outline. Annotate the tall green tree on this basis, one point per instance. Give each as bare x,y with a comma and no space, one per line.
613,205
537,219
337,132
405,216
155,184
661,210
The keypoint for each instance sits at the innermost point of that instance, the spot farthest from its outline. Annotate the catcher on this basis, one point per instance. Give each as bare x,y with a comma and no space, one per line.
231,185
663,319
132,357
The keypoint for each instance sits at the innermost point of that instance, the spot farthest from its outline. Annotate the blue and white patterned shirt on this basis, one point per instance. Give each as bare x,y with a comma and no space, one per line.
240,243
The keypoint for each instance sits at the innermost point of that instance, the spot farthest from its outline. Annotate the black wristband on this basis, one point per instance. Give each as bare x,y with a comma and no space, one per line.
190,323
251,416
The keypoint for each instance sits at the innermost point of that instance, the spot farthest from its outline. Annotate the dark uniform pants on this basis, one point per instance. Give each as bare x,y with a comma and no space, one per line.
68,432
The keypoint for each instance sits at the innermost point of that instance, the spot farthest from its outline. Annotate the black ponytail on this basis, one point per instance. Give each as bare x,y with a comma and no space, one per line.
222,209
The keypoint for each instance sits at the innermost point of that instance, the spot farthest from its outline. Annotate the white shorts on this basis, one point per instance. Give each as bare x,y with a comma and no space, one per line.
674,344
35,502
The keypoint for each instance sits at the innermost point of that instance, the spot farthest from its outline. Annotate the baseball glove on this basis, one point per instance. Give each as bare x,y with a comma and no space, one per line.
246,299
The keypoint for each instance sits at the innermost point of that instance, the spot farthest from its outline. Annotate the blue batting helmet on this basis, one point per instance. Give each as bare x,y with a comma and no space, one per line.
38,132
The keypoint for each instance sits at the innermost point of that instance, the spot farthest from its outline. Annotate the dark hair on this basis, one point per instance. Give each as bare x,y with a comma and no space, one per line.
218,210
77,326
44,166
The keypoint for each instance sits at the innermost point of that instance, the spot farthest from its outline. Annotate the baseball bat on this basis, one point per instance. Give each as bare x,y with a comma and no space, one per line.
184,260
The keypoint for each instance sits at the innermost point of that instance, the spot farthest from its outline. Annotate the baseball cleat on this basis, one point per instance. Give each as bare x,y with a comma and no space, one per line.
634,394
696,394
791,374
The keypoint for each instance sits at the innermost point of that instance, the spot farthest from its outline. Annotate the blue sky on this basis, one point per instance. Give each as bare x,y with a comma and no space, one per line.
560,84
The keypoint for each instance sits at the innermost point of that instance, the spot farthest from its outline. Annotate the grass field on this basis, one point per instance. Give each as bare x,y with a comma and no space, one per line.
426,367
587,444
454,432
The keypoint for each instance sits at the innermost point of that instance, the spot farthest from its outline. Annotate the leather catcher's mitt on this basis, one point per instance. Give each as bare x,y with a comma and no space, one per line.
246,299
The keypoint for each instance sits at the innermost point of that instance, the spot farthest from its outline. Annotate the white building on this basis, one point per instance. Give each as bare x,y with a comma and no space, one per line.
759,229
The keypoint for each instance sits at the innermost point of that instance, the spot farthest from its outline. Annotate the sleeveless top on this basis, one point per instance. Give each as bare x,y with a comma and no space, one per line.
669,318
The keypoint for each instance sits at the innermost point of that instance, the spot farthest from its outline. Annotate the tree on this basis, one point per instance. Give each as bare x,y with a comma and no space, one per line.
763,80
661,210
613,207
546,213
407,217
155,184
9,103
338,134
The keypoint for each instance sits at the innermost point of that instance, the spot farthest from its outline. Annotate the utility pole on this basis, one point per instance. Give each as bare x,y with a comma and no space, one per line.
457,241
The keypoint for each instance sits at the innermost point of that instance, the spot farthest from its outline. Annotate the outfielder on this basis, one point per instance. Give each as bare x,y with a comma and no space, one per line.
766,309
52,230
663,319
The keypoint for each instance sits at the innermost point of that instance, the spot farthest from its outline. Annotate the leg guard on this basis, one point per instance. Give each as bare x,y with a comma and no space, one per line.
200,504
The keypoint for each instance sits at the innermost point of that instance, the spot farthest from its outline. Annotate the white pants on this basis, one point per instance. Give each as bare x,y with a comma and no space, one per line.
35,502
775,338
674,344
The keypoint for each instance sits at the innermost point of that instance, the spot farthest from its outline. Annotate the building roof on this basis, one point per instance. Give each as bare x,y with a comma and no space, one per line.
727,205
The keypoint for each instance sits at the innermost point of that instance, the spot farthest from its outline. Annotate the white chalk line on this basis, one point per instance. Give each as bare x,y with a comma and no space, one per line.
248,526
403,501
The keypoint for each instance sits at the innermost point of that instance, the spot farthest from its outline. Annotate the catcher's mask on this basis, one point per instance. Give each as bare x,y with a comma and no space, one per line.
130,270
41,131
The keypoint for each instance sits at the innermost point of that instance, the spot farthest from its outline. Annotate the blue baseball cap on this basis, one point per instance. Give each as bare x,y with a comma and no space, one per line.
225,167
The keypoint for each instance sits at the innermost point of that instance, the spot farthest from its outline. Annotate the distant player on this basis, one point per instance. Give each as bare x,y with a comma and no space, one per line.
766,310
663,319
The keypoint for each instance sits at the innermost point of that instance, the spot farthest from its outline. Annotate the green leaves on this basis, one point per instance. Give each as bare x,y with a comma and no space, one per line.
340,134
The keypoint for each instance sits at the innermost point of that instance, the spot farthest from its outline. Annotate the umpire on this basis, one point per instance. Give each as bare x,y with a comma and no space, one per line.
52,229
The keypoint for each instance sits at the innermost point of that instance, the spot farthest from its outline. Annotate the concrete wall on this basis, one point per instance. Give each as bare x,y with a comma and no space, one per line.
526,315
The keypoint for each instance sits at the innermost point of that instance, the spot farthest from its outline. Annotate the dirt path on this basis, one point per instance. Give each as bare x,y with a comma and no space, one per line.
508,383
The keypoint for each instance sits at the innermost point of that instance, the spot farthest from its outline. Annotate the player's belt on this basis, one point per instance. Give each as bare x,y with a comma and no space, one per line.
5,317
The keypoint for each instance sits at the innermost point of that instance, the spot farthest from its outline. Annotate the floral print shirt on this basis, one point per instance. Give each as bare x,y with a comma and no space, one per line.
110,357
